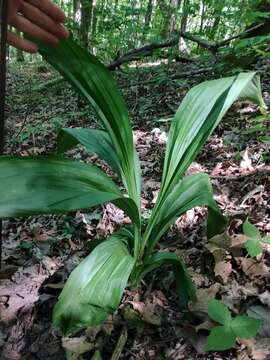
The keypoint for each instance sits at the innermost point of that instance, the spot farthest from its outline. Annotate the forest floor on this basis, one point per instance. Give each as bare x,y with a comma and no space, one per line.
40,252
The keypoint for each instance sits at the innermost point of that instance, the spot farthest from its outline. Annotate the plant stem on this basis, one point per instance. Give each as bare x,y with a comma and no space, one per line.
137,243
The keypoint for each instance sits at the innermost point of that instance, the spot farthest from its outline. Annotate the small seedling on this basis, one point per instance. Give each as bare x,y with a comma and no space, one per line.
254,244
223,336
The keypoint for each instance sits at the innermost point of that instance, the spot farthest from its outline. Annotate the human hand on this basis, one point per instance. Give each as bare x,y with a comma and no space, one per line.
38,18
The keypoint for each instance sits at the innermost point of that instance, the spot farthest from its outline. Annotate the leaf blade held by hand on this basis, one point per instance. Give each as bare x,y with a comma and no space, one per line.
95,288
93,81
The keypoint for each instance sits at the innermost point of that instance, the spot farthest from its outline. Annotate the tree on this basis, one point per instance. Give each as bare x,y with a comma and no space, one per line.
86,21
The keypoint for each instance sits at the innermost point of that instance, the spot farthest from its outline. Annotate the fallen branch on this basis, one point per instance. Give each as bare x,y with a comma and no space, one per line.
148,50
144,51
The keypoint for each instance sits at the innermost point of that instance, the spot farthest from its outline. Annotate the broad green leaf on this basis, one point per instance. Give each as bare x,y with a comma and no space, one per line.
245,327
93,81
194,190
198,115
46,185
95,288
253,247
219,312
251,230
94,140
221,338
184,286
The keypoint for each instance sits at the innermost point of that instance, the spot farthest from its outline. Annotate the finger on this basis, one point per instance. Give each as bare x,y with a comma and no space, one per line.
49,8
21,43
27,27
39,18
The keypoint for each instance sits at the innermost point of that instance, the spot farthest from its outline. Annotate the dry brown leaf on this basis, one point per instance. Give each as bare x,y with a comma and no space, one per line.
206,325
256,349
222,241
254,269
246,163
152,315
238,240
203,298
197,340
223,271
265,298
75,347
218,253
150,311
233,293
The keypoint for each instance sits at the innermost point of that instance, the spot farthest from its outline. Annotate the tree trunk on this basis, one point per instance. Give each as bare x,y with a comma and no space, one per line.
148,17
175,5
202,16
86,21
166,15
182,44
76,8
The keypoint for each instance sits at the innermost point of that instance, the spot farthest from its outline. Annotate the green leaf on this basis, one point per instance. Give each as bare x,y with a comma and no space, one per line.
221,338
95,288
219,312
266,240
265,138
47,185
253,247
93,81
251,230
245,327
194,190
94,140
200,112
198,115
184,286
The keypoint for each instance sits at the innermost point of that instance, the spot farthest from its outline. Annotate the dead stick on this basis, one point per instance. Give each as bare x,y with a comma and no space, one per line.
3,13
